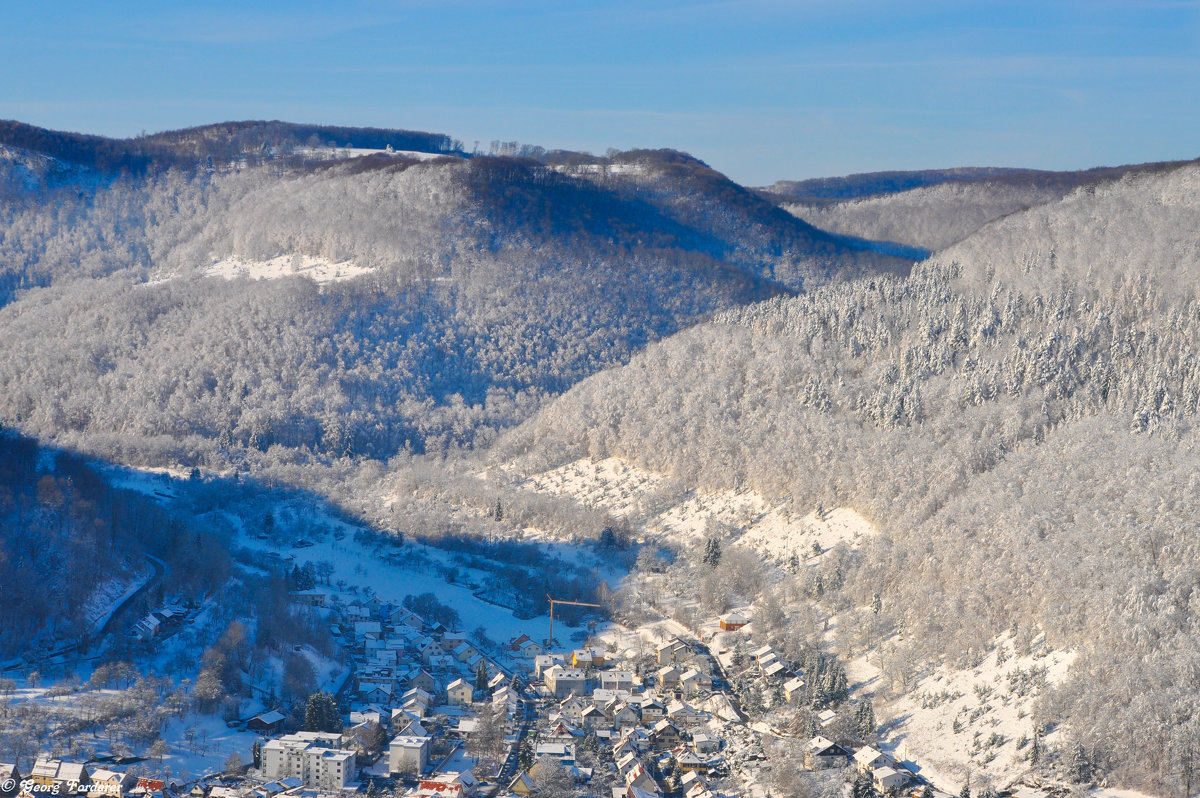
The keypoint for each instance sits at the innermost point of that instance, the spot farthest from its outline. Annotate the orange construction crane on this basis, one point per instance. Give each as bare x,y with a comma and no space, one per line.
554,601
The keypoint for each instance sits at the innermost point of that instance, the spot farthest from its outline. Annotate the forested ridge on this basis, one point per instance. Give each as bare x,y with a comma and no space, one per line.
818,190
1029,456
198,146
936,209
489,284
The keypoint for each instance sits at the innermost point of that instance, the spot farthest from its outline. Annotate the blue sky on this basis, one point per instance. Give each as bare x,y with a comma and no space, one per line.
760,89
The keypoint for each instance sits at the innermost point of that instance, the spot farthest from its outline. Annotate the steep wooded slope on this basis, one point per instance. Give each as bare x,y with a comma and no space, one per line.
1141,227
58,513
1028,457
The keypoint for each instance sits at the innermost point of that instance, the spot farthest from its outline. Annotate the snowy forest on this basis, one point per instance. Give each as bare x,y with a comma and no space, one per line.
1016,415
1030,457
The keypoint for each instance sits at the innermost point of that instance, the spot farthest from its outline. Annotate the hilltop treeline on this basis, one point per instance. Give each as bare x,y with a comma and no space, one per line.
943,208
208,144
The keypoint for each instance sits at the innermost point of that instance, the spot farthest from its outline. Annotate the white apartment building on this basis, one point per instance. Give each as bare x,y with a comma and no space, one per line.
408,754
312,757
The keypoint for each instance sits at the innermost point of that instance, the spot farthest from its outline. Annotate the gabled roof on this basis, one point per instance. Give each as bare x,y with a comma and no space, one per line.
825,747
72,771
868,755
524,782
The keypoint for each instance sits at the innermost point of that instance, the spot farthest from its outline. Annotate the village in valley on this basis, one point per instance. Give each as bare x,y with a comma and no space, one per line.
426,711
672,701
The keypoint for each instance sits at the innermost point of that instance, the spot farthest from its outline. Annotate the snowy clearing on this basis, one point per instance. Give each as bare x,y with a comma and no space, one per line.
612,484
336,153
320,270
631,492
991,707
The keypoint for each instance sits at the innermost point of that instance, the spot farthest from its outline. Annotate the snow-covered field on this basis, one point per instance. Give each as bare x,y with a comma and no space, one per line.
320,270
406,571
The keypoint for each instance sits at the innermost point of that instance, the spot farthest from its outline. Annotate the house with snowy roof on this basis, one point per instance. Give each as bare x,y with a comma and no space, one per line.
522,785
543,662
110,784
651,708
587,657
688,761
776,671
267,722
869,759
672,651
665,735
667,677
732,621
459,692
820,753
62,777
562,682
625,715
563,752
888,779
464,652
617,680
693,681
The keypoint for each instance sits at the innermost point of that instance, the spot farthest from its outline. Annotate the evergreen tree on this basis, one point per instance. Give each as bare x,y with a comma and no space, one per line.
498,511
256,753
525,753
1081,765
481,677
1035,748
836,686
966,791
712,553
864,718
321,714
862,787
